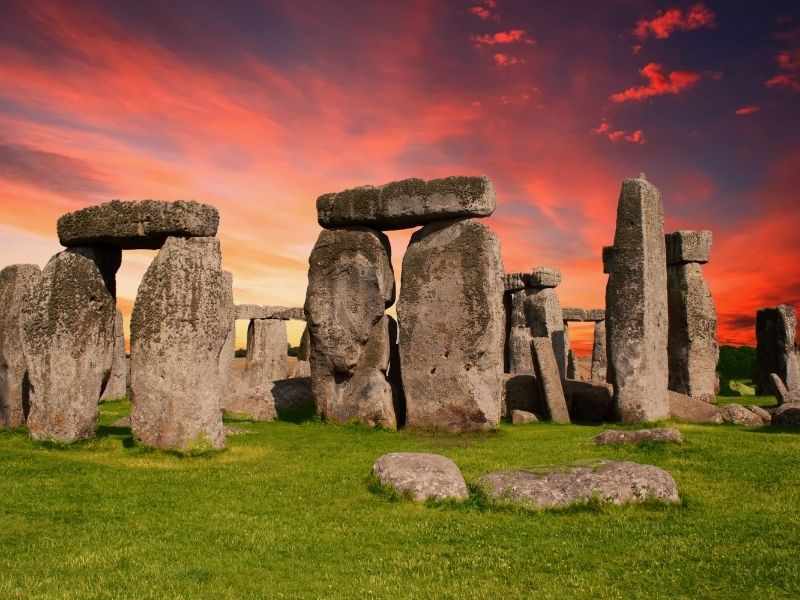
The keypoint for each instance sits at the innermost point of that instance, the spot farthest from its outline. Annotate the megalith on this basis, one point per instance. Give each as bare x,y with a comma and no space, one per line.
16,283
776,350
636,305
350,285
518,333
692,347
549,380
181,320
303,367
117,386
599,357
266,350
452,322
543,312
67,327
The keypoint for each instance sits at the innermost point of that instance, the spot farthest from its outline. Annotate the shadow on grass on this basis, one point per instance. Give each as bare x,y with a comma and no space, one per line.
302,412
770,429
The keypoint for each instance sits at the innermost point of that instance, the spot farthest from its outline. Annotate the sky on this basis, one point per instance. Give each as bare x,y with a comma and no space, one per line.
260,107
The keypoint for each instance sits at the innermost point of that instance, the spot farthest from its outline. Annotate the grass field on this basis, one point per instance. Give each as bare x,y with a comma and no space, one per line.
288,513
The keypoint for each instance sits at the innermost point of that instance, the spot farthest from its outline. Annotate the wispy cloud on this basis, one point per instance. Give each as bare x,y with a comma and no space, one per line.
747,110
511,36
658,83
607,130
789,64
667,22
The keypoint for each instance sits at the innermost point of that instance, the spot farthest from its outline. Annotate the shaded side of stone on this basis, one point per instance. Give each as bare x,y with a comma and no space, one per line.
549,380
787,415
688,246
545,319
520,392
518,343
775,348
117,386
599,356
588,401
692,410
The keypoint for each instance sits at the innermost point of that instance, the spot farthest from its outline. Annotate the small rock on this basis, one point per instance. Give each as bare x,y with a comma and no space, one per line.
787,415
520,417
421,475
658,434
765,416
739,415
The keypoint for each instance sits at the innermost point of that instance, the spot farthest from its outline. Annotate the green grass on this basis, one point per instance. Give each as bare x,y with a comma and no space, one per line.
290,512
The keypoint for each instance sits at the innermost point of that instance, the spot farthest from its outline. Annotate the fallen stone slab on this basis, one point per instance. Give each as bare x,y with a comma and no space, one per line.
787,415
692,410
257,311
137,224
521,417
408,203
549,380
421,475
610,481
737,414
688,246
759,411
657,434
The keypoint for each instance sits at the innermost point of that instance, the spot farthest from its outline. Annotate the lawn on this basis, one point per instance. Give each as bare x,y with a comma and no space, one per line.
287,512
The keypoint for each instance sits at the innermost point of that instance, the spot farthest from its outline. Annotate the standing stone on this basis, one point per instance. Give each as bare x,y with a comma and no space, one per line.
636,305
451,326
68,340
599,359
519,335
181,319
266,350
16,283
549,380
350,284
775,348
572,366
692,348
303,367
117,386
543,312
226,356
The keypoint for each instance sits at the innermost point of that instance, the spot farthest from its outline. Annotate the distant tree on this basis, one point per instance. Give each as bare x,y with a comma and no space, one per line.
293,350
240,353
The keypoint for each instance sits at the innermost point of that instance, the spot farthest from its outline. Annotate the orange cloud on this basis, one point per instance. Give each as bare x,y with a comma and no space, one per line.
502,37
747,110
618,135
659,83
674,19
504,60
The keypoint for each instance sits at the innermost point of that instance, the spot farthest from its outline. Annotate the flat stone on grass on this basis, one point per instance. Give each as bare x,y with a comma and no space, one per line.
657,434
421,475
521,417
739,415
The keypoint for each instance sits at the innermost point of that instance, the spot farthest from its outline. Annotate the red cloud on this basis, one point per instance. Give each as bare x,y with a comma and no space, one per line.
788,60
747,110
480,12
505,60
658,83
674,19
618,135
502,37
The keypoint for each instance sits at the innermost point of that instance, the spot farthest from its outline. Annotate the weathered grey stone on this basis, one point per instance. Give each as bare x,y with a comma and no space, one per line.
574,314
636,306
549,380
408,203
250,398
544,277
180,323
452,326
514,282
227,376
787,415
692,347
657,434
599,356
140,224
303,366
350,284
420,475
520,392
692,410
760,412
588,400
257,311
117,386
610,481
688,246
267,346
545,319
16,283
595,314
739,415
518,344
608,258
782,395
775,348
521,417
572,368
68,339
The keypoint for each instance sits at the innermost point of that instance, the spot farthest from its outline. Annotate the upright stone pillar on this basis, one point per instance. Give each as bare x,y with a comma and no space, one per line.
636,305
266,350
693,351
117,386
181,320
518,333
452,323
599,360
543,312
227,354
67,329
776,350
16,284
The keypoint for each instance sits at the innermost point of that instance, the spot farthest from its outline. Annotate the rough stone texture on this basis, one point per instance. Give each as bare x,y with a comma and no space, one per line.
616,482
117,386
420,475
16,283
180,323
257,311
636,306
760,412
782,395
739,415
140,224
588,400
544,277
249,398
658,434
267,346
692,342
408,203
775,348
692,410
544,317
574,314
787,415
595,314
350,284
520,392
68,339
549,380
518,343
521,417
599,356
514,282
572,372
452,326
288,393
303,366
227,376
688,246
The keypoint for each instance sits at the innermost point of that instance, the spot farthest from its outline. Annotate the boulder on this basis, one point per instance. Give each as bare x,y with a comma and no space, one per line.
657,434
180,323
776,352
787,415
407,203
16,284
67,327
588,400
766,417
688,247
549,380
139,224
452,326
117,386
257,311
737,414
610,481
422,476
350,284
692,410
521,417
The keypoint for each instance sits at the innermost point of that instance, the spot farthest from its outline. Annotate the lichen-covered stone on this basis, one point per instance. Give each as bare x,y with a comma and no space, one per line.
544,277
16,283
657,434
303,366
139,224
267,345
545,319
595,314
257,311
68,340
549,380
599,356
775,348
687,247
180,323
117,386
518,341
737,414
452,326
765,416
407,203
422,476
636,306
